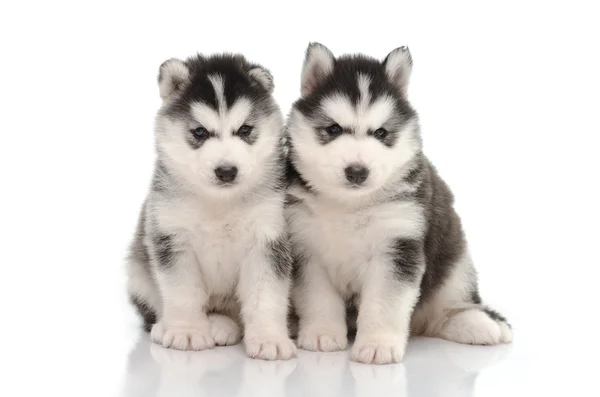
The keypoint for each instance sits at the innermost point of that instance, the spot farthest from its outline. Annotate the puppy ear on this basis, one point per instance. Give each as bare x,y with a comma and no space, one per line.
173,75
318,64
398,66
263,77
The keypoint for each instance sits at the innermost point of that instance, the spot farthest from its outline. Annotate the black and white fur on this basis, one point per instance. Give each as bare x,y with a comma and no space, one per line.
211,254
392,245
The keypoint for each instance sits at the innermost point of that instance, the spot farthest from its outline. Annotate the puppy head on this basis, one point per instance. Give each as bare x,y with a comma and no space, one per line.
219,127
353,127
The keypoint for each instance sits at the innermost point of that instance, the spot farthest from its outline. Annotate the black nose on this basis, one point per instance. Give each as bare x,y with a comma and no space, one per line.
226,174
356,174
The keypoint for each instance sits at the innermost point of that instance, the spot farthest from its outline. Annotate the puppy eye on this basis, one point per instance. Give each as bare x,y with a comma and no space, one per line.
380,133
334,129
200,132
244,130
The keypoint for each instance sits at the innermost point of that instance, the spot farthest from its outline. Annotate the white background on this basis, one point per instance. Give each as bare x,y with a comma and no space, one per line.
508,98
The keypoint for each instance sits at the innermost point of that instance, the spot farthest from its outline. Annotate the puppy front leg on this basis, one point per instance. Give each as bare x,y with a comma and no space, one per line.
321,310
264,294
388,297
183,324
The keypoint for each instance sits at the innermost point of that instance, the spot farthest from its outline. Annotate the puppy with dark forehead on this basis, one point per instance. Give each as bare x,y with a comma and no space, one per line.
372,224
211,254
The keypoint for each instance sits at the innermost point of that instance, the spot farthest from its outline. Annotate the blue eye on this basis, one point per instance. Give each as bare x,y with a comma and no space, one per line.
334,129
244,130
200,132
380,133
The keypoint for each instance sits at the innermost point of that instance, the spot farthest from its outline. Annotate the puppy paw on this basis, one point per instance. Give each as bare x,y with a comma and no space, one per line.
378,349
323,340
270,347
192,336
224,330
475,327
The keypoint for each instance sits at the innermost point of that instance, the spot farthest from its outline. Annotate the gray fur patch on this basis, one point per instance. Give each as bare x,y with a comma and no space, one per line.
407,256
444,241
280,256
165,250
138,252
138,256
145,311
494,315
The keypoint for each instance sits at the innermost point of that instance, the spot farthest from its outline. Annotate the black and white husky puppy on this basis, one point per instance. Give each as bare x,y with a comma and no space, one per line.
211,254
371,222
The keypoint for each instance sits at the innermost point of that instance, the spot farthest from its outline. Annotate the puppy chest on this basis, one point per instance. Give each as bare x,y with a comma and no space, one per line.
224,244
219,249
347,242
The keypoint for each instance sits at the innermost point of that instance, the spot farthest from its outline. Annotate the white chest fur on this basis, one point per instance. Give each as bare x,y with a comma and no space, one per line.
224,236
346,242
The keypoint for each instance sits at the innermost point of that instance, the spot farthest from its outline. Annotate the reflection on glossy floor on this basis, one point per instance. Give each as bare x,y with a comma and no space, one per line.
432,367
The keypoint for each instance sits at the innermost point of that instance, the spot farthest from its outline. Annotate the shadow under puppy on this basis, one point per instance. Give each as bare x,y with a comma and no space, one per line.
372,224
211,252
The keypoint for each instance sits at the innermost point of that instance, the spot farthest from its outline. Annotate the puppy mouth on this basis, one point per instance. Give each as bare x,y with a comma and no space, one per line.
226,185
355,186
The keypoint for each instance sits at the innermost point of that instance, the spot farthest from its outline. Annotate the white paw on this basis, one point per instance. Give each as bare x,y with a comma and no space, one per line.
378,349
476,328
322,340
224,330
270,347
187,337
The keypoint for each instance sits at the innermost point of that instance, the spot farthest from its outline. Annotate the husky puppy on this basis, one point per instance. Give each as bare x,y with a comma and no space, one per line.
372,224
211,253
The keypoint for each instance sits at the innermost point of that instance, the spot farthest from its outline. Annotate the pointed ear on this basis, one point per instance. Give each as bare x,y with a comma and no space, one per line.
262,77
173,75
398,66
318,64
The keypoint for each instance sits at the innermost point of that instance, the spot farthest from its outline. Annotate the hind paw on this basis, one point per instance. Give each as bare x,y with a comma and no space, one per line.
476,327
224,330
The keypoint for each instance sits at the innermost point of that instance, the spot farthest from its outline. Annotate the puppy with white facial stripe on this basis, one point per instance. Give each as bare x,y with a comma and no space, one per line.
211,253
372,224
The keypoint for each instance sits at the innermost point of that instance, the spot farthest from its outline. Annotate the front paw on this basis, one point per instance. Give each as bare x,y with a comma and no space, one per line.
378,349
192,336
271,347
323,339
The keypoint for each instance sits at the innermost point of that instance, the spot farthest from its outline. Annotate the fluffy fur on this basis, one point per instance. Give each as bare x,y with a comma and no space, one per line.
211,253
390,245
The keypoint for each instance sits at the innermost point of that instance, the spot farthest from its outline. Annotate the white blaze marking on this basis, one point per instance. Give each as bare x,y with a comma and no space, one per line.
365,115
217,82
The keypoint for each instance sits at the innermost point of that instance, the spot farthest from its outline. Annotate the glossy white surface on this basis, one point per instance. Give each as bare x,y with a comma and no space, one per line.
432,368
508,98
